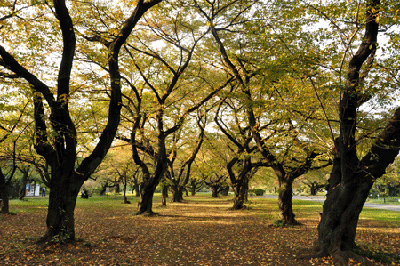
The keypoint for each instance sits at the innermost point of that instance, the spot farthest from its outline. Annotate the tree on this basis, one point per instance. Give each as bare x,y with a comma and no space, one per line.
352,178
241,166
180,180
216,182
195,185
315,180
264,75
171,75
58,145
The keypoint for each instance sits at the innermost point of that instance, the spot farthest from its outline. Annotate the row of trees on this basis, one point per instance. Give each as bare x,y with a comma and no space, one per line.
294,86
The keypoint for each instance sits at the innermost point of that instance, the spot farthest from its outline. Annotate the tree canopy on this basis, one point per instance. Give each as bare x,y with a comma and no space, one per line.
202,90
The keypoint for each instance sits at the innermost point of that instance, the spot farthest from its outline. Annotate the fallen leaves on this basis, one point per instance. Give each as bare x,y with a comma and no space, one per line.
193,233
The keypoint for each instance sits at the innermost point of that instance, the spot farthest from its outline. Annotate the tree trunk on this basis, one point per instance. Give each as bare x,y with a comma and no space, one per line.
136,188
285,201
60,220
313,189
146,200
337,228
4,194
117,189
240,189
164,195
22,190
214,191
225,191
392,190
177,193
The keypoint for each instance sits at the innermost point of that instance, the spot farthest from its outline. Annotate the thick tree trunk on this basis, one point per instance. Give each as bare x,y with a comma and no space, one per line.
146,200
240,189
214,191
193,192
337,228
60,220
177,193
285,202
4,194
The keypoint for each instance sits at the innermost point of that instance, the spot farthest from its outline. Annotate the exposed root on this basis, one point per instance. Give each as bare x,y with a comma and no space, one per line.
146,214
341,258
311,253
48,240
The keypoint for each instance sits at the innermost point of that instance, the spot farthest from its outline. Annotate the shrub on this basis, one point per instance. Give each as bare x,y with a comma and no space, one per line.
257,191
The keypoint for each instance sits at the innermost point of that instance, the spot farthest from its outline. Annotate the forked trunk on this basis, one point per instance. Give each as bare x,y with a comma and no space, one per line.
285,202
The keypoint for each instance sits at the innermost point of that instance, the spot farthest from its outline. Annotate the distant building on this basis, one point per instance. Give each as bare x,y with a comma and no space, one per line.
32,189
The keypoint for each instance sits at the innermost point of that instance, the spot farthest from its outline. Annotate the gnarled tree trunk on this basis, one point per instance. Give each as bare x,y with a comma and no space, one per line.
351,179
240,189
285,201
145,205
60,220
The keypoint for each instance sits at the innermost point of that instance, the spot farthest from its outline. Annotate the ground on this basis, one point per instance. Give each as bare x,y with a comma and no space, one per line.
200,231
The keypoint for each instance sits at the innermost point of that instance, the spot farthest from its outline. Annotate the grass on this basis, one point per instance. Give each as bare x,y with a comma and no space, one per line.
200,231
389,201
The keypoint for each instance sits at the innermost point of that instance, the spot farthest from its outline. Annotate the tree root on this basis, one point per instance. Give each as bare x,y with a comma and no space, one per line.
311,253
244,208
146,214
341,258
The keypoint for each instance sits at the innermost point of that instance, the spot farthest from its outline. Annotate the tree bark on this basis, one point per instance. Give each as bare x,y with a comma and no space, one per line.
240,189
22,189
136,188
351,179
164,195
177,193
214,191
145,205
60,220
224,191
4,194
285,201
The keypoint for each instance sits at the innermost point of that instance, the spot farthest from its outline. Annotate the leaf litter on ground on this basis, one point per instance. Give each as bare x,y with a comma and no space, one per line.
200,231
